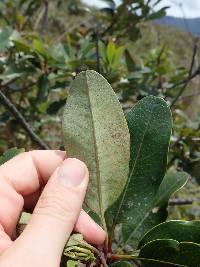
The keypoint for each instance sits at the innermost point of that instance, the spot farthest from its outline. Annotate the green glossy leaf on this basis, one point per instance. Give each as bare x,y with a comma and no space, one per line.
170,251
122,264
96,132
158,214
149,124
171,183
9,154
188,231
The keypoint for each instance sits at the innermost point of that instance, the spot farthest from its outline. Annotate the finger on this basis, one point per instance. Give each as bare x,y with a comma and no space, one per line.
5,241
20,177
90,230
55,214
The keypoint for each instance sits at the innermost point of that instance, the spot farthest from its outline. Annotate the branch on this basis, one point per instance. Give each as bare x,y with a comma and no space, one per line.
18,116
7,83
191,95
180,202
44,19
96,36
189,78
5,18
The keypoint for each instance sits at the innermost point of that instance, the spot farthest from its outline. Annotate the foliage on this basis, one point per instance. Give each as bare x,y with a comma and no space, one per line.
43,46
144,198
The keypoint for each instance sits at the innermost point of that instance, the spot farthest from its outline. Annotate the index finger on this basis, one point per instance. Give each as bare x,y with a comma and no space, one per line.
21,177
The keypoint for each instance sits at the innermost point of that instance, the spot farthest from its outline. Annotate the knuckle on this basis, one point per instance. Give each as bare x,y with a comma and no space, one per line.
54,205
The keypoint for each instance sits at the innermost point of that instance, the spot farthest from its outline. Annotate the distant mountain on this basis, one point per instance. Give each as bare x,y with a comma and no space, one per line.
192,25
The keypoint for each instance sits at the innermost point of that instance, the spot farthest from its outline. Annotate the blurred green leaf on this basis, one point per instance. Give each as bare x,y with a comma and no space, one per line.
9,154
44,86
5,34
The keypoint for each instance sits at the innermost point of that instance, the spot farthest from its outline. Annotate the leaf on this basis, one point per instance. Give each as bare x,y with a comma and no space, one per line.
23,221
149,124
43,88
5,34
40,48
111,49
130,63
158,214
9,154
55,106
170,251
170,184
188,231
95,131
75,240
78,249
71,263
159,14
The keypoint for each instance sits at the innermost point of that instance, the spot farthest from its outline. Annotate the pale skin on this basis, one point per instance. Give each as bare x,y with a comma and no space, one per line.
54,188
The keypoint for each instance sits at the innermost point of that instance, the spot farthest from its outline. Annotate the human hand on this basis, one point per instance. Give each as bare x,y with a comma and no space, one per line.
55,188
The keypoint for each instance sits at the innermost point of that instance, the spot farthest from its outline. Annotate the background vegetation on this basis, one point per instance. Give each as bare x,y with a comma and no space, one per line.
44,44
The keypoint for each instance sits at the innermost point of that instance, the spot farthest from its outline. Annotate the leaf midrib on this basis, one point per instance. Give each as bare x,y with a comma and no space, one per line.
100,198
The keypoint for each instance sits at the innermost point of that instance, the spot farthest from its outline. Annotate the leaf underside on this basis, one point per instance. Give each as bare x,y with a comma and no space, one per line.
96,132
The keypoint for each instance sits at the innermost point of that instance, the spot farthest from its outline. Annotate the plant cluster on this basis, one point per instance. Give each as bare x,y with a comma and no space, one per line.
43,46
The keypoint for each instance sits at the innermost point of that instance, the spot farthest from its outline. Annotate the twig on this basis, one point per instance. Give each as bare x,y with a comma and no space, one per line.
180,202
19,89
44,19
136,263
189,78
5,18
7,83
15,112
96,34
103,260
191,95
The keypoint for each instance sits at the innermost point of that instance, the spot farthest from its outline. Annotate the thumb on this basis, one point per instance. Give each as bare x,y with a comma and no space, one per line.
56,213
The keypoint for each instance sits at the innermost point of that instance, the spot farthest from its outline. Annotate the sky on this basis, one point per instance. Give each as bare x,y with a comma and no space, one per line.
191,8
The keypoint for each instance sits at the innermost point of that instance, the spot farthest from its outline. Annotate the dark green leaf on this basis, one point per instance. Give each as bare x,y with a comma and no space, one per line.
130,63
170,184
188,231
156,15
43,88
96,132
150,127
170,251
55,106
